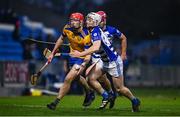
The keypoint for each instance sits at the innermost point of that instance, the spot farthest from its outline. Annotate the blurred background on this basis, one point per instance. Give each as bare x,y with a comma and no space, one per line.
152,28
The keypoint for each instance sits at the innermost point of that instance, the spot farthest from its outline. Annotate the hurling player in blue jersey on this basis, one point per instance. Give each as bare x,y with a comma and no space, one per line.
111,63
96,72
111,33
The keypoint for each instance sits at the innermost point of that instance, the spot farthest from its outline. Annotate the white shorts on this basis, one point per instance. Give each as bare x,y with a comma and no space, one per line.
114,68
98,62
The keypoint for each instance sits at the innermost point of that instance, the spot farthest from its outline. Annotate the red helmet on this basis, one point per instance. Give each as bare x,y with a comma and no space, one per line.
102,14
77,16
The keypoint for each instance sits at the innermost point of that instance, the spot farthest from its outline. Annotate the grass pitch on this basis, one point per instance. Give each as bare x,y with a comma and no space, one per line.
160,102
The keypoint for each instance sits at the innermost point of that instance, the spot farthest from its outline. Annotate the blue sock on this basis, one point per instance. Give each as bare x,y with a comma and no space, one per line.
111,92
105,95
135,101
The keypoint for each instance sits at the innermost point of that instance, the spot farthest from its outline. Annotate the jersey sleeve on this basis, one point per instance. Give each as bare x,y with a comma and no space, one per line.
64,30
86,47
116,32
96,34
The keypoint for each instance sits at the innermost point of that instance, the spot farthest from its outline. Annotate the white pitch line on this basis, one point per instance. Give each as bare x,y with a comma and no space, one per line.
30,106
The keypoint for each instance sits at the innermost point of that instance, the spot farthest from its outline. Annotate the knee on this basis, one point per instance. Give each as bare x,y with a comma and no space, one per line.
120,89
91,80
68,80
101,80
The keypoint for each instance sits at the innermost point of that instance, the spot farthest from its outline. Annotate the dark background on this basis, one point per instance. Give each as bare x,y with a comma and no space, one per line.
136,18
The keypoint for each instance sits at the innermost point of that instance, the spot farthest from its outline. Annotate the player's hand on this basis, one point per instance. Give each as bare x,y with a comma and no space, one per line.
75,53
50,57
123,56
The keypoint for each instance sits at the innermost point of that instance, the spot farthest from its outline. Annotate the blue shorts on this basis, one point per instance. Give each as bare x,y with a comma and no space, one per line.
77,61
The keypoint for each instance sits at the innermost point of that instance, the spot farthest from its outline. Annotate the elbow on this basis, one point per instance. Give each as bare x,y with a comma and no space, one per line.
123,37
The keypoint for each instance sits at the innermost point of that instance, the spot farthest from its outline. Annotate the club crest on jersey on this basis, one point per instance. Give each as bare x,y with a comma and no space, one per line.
95,34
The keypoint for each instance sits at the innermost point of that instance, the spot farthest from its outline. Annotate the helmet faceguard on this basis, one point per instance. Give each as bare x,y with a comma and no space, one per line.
93,18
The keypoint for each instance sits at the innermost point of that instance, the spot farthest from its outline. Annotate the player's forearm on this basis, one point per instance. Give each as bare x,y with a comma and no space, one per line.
88,51
95,47
58,44
123,44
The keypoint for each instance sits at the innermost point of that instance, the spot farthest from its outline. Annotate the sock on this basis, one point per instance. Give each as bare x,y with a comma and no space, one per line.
134,101
89,92
105,95
56,101
111,92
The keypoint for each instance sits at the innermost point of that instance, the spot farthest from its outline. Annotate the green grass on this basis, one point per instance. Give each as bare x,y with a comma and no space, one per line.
159,102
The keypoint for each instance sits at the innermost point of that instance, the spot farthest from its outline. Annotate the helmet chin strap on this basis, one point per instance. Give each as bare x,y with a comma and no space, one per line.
90,28
76,30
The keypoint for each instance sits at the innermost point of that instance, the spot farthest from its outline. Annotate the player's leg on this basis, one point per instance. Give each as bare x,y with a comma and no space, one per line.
118,81
65,87
84,83
105,82
94,74
120,88
90,96
82,80
107,85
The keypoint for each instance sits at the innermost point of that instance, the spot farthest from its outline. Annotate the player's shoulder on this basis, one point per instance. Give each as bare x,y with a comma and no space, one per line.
96,29
66,30
67,27
110,28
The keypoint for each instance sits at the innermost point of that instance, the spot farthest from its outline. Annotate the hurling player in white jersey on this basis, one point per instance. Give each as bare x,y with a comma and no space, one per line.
111,62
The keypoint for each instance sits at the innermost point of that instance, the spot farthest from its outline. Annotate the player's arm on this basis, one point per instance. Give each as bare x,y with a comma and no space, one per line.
95,47
87,44
123,46
123,39
59,42
96,37
57,45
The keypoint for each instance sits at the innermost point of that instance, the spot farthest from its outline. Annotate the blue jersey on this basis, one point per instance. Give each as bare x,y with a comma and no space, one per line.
107,52
111,33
